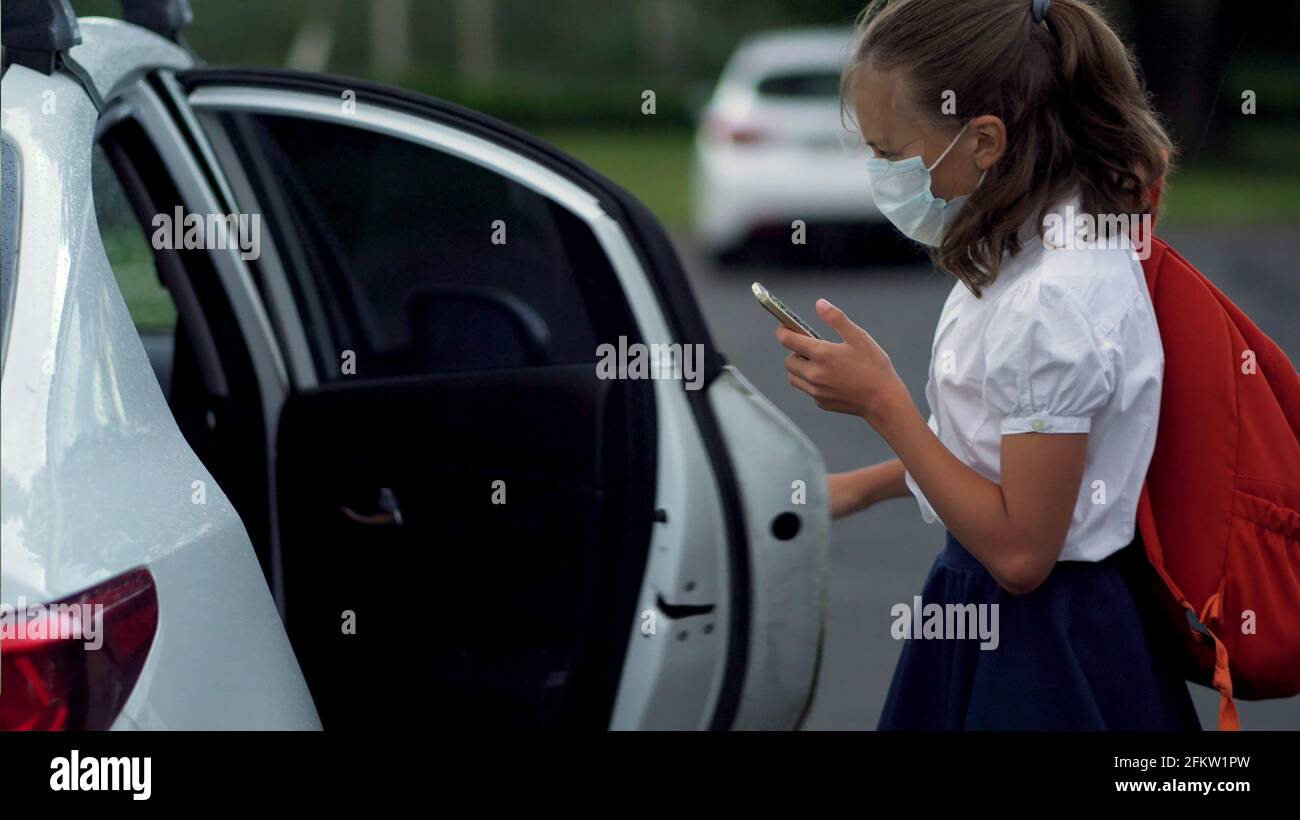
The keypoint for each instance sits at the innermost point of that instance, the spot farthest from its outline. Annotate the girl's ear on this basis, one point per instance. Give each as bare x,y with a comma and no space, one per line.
990,140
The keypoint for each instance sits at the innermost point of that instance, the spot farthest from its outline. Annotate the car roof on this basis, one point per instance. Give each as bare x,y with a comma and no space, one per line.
772,51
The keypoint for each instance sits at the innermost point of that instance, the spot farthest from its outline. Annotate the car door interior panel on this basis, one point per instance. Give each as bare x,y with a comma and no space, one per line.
510,511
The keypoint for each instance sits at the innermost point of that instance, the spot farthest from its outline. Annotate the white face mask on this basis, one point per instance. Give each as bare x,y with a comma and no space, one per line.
901,190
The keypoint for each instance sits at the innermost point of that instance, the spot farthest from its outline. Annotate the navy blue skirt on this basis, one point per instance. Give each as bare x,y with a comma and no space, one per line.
1073,654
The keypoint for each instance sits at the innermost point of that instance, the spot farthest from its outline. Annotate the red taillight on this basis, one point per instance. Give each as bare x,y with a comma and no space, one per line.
58,671
721,129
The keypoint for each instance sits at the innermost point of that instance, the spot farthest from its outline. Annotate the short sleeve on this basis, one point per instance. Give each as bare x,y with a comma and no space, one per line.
928,515
1047,368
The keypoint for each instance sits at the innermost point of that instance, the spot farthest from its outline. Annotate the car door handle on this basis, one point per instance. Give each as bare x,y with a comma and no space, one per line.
388,514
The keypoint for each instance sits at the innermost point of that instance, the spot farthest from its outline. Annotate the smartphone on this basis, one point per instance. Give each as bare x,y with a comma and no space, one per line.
783,314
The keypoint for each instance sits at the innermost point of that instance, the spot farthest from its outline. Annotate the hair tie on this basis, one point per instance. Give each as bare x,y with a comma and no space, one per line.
1040,10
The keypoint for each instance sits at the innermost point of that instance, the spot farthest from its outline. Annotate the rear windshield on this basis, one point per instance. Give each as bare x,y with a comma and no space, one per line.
813,84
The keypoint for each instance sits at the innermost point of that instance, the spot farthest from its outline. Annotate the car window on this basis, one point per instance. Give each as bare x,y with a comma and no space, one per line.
129,252
405,260
808,84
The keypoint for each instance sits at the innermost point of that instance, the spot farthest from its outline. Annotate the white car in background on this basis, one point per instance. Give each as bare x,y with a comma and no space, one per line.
371,475
772,145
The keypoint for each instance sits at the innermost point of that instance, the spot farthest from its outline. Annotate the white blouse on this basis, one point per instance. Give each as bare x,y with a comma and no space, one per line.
1063,341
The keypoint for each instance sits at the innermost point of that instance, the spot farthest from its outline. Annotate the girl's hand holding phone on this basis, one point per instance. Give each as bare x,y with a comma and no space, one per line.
854,376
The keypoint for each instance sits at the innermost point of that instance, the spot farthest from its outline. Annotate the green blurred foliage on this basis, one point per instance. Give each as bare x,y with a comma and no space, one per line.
577,69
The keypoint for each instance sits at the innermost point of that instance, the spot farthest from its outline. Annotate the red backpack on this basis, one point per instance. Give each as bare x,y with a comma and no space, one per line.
1218,513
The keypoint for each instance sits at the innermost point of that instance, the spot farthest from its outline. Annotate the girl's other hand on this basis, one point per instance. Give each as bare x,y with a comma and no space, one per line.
854,376
857,490
846,493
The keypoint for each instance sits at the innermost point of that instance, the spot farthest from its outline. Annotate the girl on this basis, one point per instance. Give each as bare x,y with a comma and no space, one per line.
993,124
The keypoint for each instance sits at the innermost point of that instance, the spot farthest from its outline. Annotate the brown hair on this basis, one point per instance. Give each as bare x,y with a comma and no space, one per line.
1067,90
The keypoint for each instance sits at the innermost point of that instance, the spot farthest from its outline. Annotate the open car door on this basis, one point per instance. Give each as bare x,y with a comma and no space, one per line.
477,524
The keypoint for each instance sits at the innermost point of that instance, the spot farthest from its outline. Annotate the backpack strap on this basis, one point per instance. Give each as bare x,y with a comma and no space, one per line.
1222,681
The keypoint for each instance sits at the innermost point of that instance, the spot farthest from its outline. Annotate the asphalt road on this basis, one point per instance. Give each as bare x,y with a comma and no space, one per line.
880,557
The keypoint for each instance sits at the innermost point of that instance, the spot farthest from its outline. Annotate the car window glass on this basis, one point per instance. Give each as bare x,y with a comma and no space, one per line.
129,252
801,85
405,260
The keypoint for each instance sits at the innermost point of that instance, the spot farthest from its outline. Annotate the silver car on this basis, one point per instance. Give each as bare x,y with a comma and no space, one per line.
388,448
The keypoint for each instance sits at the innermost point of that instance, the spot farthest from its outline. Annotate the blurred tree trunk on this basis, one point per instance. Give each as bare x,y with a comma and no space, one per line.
390,37
314,40
476,53
660,26
1184,54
